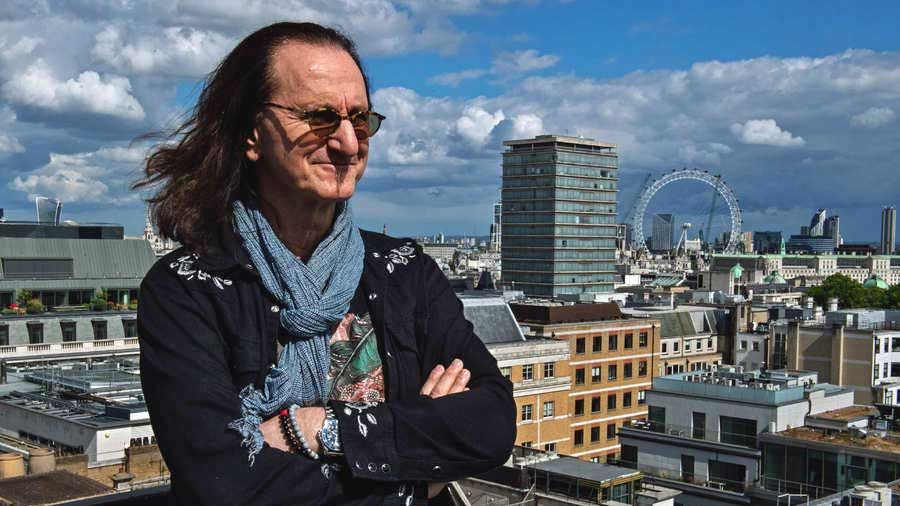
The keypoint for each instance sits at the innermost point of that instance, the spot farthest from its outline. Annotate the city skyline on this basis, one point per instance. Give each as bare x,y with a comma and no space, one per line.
786,119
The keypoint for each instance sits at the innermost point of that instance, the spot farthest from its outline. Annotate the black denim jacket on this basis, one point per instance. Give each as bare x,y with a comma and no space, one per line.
208,328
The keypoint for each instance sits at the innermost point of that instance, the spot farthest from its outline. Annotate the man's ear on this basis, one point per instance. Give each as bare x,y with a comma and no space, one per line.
252,152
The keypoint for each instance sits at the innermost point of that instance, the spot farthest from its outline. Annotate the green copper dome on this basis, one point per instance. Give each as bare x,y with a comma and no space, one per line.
877,282
737,271
774,278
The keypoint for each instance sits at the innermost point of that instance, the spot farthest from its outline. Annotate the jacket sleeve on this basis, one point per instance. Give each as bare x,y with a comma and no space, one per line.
191,398
442,439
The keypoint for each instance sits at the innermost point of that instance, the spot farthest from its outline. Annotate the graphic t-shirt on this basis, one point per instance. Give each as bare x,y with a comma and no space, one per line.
356,372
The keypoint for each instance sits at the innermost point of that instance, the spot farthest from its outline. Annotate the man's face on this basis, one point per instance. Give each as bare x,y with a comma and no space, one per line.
294,159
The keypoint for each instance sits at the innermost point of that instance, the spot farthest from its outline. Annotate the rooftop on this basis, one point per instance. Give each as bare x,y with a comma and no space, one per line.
586,141
590,471
492,319
848,414
773,388
548,314
48,488
890,443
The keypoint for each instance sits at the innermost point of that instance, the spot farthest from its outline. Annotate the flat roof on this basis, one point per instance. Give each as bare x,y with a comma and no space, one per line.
888,444
587,141
581,469
847,414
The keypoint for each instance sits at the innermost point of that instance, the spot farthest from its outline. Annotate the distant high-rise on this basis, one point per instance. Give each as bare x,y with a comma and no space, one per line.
48,210
832,229
888,228
559,215
817,224
767,241
496,228
663,230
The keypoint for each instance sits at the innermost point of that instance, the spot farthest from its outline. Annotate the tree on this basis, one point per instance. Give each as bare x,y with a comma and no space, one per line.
848,292
23,297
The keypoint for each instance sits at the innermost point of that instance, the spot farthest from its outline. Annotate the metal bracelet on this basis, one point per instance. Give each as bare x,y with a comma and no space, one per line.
303,444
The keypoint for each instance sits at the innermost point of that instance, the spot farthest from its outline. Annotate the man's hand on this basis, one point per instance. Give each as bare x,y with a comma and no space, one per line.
441,382
310,421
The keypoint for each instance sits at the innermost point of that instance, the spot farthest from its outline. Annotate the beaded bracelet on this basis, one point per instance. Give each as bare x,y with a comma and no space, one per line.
303,444
288,432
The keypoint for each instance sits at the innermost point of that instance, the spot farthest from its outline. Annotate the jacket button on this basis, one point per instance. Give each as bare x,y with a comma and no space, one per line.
435,469
372,467
249,267
274,309
385,468
373,296
358,465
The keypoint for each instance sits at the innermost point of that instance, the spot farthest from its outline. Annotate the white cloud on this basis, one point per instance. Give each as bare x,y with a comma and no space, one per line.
708,154
454,78
521,62
9,144
22,47
37,86
177,50
100,176
475,124
765,132
873,117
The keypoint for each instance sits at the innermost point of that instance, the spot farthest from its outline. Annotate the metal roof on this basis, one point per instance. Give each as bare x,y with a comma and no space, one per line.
577,468
492,318
91,259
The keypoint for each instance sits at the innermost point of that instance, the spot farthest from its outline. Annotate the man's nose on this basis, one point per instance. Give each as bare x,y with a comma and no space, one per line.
344,140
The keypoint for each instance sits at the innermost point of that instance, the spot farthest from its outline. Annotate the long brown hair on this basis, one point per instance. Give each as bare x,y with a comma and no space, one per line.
201,167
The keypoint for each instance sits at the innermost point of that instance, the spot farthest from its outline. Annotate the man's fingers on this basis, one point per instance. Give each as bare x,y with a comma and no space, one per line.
462,379
447,379
432,380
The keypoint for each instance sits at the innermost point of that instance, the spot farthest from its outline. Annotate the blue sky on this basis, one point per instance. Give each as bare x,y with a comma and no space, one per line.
794,103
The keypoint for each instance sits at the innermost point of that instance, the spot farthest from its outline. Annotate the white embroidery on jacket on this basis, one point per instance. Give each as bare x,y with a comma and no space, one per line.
184,266
400,256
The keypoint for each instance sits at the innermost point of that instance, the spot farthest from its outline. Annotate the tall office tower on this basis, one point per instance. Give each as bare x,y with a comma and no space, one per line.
888,227
817,224
663,229
833,229
559,215
48,210
496,228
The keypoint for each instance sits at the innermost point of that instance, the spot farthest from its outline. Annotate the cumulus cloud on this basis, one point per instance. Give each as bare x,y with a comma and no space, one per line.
873,117
765,132
177,50
708,154
514,63
37,86
100,176
475,124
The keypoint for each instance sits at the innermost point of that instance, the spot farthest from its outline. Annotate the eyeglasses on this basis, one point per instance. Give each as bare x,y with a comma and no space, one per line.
324,121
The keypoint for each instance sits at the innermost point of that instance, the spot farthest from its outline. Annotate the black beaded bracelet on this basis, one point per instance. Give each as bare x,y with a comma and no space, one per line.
287,431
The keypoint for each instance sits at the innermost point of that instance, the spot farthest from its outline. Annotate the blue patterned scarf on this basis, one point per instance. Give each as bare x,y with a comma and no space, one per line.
314,296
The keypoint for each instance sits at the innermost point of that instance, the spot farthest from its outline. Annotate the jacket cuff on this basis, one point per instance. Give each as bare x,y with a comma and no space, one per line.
367,438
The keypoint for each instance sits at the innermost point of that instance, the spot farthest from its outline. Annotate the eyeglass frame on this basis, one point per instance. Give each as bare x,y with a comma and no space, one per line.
303,115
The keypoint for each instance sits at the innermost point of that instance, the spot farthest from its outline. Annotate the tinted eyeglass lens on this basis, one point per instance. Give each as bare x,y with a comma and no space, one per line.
324,119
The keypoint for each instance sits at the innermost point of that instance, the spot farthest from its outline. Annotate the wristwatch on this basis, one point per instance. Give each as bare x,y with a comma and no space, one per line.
329,436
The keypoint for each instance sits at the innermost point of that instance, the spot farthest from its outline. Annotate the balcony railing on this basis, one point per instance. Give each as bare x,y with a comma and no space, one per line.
73,347
542,383
677,474
713,436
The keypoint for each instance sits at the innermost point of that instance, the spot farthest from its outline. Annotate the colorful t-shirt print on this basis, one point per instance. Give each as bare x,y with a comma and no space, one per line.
356,372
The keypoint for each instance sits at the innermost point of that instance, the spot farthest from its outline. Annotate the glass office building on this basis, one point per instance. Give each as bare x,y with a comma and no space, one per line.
559,215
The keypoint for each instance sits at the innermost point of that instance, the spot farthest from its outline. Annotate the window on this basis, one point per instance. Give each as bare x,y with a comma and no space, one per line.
548,409
579,407
739,431
35,332
687,468
687,346
612,372
626,400
598,344
595,434
595,404
611,402
629,456
629,341
506,371
579,376
664,347
550,447
732,475
642,368
527,372
129,327
675,346
698,424
549,369
743,345
709,343
68,331
527,444
595,374
44,268
626,369
611,431
613,342
4,334
642,397
642,340
755,345
656,415
579,345
579,437
526,412
99,329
